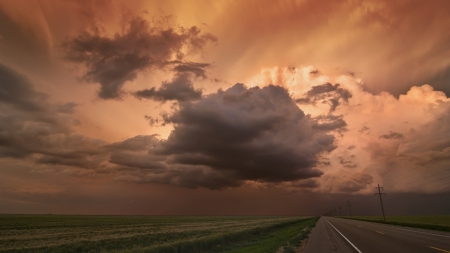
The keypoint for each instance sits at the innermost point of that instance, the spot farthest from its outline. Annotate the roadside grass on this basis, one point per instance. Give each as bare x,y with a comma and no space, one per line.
438,223
290,238
133,234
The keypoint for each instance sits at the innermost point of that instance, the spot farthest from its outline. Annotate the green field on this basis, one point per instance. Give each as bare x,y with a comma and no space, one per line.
59,233
441,223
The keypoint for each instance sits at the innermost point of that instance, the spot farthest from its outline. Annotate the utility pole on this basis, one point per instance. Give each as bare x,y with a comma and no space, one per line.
335,213
350,207
381,201
340,212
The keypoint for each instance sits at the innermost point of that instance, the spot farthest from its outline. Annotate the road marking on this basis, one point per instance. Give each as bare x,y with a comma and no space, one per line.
395,227
421,232
343,236
439,249
379,232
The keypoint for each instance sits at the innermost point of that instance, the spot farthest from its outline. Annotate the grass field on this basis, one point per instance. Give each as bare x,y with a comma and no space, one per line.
441,223
54,233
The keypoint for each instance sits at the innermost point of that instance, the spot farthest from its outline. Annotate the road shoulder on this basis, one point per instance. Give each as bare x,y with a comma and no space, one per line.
325,239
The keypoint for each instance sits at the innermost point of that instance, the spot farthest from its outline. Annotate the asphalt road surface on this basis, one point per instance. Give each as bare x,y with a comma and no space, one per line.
343,235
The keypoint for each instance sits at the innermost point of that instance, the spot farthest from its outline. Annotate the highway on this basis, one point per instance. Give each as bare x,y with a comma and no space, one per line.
344,235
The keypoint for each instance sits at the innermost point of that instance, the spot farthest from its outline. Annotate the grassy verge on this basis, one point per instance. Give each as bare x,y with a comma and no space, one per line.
289,237
438,223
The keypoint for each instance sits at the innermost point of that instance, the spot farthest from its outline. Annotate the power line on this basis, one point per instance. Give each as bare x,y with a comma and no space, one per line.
431,182
431,186
423,178
418,166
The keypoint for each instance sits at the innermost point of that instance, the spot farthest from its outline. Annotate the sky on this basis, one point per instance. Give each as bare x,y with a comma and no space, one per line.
224,107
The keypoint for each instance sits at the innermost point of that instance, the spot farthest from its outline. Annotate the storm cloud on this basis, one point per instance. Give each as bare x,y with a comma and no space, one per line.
17,92
112,61
237,135
326,93
32,128
179,89
133,153
198,69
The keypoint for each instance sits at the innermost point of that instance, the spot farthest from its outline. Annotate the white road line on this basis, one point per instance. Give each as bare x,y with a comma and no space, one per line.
344,236
422,232
396,227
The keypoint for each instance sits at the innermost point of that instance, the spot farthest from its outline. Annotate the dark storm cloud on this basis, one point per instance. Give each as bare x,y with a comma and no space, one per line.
328,93
134,153
180,89
30,127
198,69
74,158
392,135
226,138
112,61
243,134
139,161
15,90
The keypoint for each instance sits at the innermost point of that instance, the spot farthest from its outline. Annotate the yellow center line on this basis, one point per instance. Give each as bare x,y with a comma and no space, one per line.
443,250
379,232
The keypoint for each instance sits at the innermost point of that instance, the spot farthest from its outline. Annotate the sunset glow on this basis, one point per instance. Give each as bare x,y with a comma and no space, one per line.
223,107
